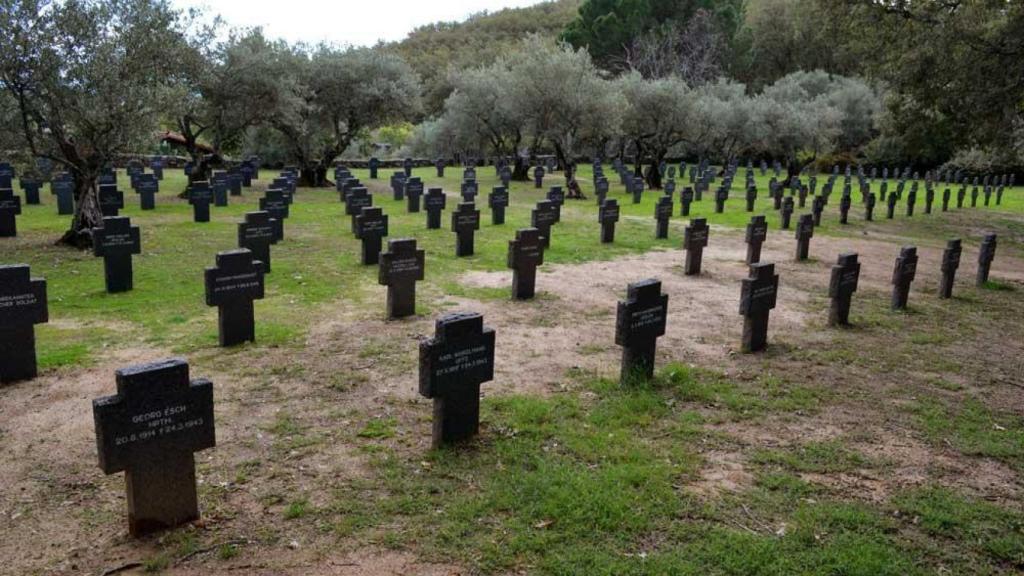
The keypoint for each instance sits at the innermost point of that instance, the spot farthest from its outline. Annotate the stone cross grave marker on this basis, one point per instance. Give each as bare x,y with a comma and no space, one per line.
804,233
219,186
950,263
538,177
525,254
357,199
543,217
557,198
453,365
374,166
413,194
974,197
945,200
434,203
844,209
465,223
147,186
439,165
469,190
150,430
637,189
407,166
371,228
398,180
751,197
929,199
842,285
31,190
757,232
817,207
200,196
256,235
607,216
721,195
231,286
469,173
787,212
911,200
986,254
890,211
695,238
757,299
662,215
400,268
960,194
275,204
498,201
23,304
116,242
10,208
639,322
685,199
234,182
63,187
111,200
903,275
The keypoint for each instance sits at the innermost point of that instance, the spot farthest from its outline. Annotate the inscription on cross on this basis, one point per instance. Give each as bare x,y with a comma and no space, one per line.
525,254
231,286
757,232
662,215
453,365
371,228
10,208
434,203
149,430
23,304
256,234
695,238
357,199
465,223
116,242
639,322
400,268
607,216
757,299
200,195
275,204
543,217
498,201
842,285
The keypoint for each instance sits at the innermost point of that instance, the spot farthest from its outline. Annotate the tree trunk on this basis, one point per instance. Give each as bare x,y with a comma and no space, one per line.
638,163
313,175
521,169
87,212
653,177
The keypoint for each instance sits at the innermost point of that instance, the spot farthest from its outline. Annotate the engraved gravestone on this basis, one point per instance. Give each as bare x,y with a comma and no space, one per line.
200,196
637,190
695,238
538,177
31,190
63,187
498,201
413,194
685,199
275,204
434,203
147,186
662,216
525,254
439,165
150,430
974,197
751,197
817,207
231,286
844,209
400,268
557,198
10,208
640,320
23,304
543,217
219,186
601,190
945,200
371,228
407,166
986,255
804,233
756,233
607,216
842,285
787,212
256,234
960,194
757,299
929,199
469,190
453,365
116,242
357,199
374,166
911,200
465,223
950,263
398,180
111,200
903,275
721,195
891,206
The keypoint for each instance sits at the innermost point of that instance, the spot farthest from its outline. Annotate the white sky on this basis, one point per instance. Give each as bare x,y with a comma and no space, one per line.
357,22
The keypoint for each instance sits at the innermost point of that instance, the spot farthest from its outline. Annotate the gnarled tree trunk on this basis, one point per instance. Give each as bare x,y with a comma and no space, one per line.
87,210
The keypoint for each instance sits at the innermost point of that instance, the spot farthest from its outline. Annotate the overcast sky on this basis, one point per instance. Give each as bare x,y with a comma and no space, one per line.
357,22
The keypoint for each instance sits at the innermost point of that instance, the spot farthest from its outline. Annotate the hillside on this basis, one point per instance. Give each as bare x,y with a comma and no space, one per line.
431,49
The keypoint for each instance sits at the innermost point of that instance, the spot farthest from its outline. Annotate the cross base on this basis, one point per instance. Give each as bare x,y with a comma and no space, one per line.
433,219
839,310
637,362
803,248
118,273
498,215
464,243
900,293
607,233
161,493
236,323
693,260
753,253
946,284
17,354
755,332
371,250
523,283
402,300
456,416
983,271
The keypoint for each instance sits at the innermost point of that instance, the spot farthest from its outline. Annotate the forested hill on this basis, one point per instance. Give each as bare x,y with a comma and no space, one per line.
431,49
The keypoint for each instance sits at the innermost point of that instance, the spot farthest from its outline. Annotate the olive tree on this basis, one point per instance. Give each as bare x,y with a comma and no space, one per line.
90,79
657,116
332,96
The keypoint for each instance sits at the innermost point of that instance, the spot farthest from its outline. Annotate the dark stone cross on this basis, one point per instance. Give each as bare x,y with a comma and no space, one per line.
453,365
891,206
557,198
439,164
469,190
150,430
974,197
400,268
844,209
757,232
498,201
64,190
31,190
638,190
200,196
231,286
398,180
695,238
116,241
988,195
23,304
817,207
845,275
434,203
929,199
685,199
950,263
543,217
804,233
413,194
275,204
986,255
371,228
357,199
110,199
407,166
465,223
607,216
525,254
374,166
911,200
10,208
757,298
662,215
721,195
538,177
945,200
902,275
256,235
601,190
219,185
639,322
147,186
802,195
787,212
960,194
751,197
